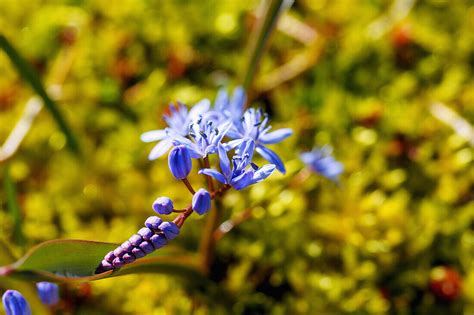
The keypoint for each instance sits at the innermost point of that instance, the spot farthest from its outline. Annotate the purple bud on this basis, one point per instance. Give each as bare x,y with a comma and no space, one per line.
153,222
201,201
145,233
15,304
109,257
104,266
118,252
158,240
127,246
170,229
48,292
138,253
128,258
135,240
147,247
163,205
117,263
179,162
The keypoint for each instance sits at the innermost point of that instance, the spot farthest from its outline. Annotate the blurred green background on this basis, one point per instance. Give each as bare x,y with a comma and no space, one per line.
374,79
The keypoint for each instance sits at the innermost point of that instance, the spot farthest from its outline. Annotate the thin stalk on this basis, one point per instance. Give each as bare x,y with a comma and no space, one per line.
189,186
27,72
259,38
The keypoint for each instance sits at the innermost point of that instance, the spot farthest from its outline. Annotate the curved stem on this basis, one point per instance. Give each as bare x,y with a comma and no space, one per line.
188,185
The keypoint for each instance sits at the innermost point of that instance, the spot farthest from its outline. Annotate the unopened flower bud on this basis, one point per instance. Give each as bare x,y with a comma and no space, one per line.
48,292
170,229
153,222
179,162
158,240
201,201
163,205
15,304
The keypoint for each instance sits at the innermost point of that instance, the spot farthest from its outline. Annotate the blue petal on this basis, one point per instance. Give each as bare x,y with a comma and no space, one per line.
154,135
237,103
263,173
222,99
271,157
224,161
200,108
242,181
233,144
160,148
276,136
247,147
213,173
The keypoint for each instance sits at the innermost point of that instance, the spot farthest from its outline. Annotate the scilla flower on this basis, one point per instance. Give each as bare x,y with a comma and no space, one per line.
178,121
230,109
201,201
15,304
239,176
48,292
321,161
254,125
179,162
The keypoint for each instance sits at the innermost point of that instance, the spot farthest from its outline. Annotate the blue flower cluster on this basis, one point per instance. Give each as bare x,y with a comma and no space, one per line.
202,129
15,304
321,161
195,134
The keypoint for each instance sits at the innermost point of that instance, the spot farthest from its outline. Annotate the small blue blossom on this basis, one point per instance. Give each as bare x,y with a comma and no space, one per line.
48,292
179,162
201,201
206,136
239,176
15,304
254,125
170,229
163,205
320,161
178,121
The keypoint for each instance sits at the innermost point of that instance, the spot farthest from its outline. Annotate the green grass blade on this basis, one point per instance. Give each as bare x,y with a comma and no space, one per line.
260,36
13,207
30,76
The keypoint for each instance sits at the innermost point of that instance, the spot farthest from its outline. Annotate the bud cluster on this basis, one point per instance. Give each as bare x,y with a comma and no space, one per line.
154,235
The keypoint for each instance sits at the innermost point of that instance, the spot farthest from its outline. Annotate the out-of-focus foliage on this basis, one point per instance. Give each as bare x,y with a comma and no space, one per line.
397,228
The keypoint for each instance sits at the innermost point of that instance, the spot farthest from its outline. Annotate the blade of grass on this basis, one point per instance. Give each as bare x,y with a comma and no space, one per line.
30,76
259,38
13,207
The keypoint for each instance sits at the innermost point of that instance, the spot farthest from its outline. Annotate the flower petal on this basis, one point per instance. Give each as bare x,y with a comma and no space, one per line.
224,161
159,149
276,136
214,174
198,109
263,173
242,181
271,157
222,99
153,135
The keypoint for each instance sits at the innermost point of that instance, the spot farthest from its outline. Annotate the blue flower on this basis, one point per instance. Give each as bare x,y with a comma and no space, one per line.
206,136
239,176
178,121
163,205
254,125
15,304
320,161
179,162
201,201
48,292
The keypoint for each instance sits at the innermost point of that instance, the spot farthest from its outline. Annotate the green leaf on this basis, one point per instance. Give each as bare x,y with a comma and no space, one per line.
76,260
13,207
29,75
259,38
